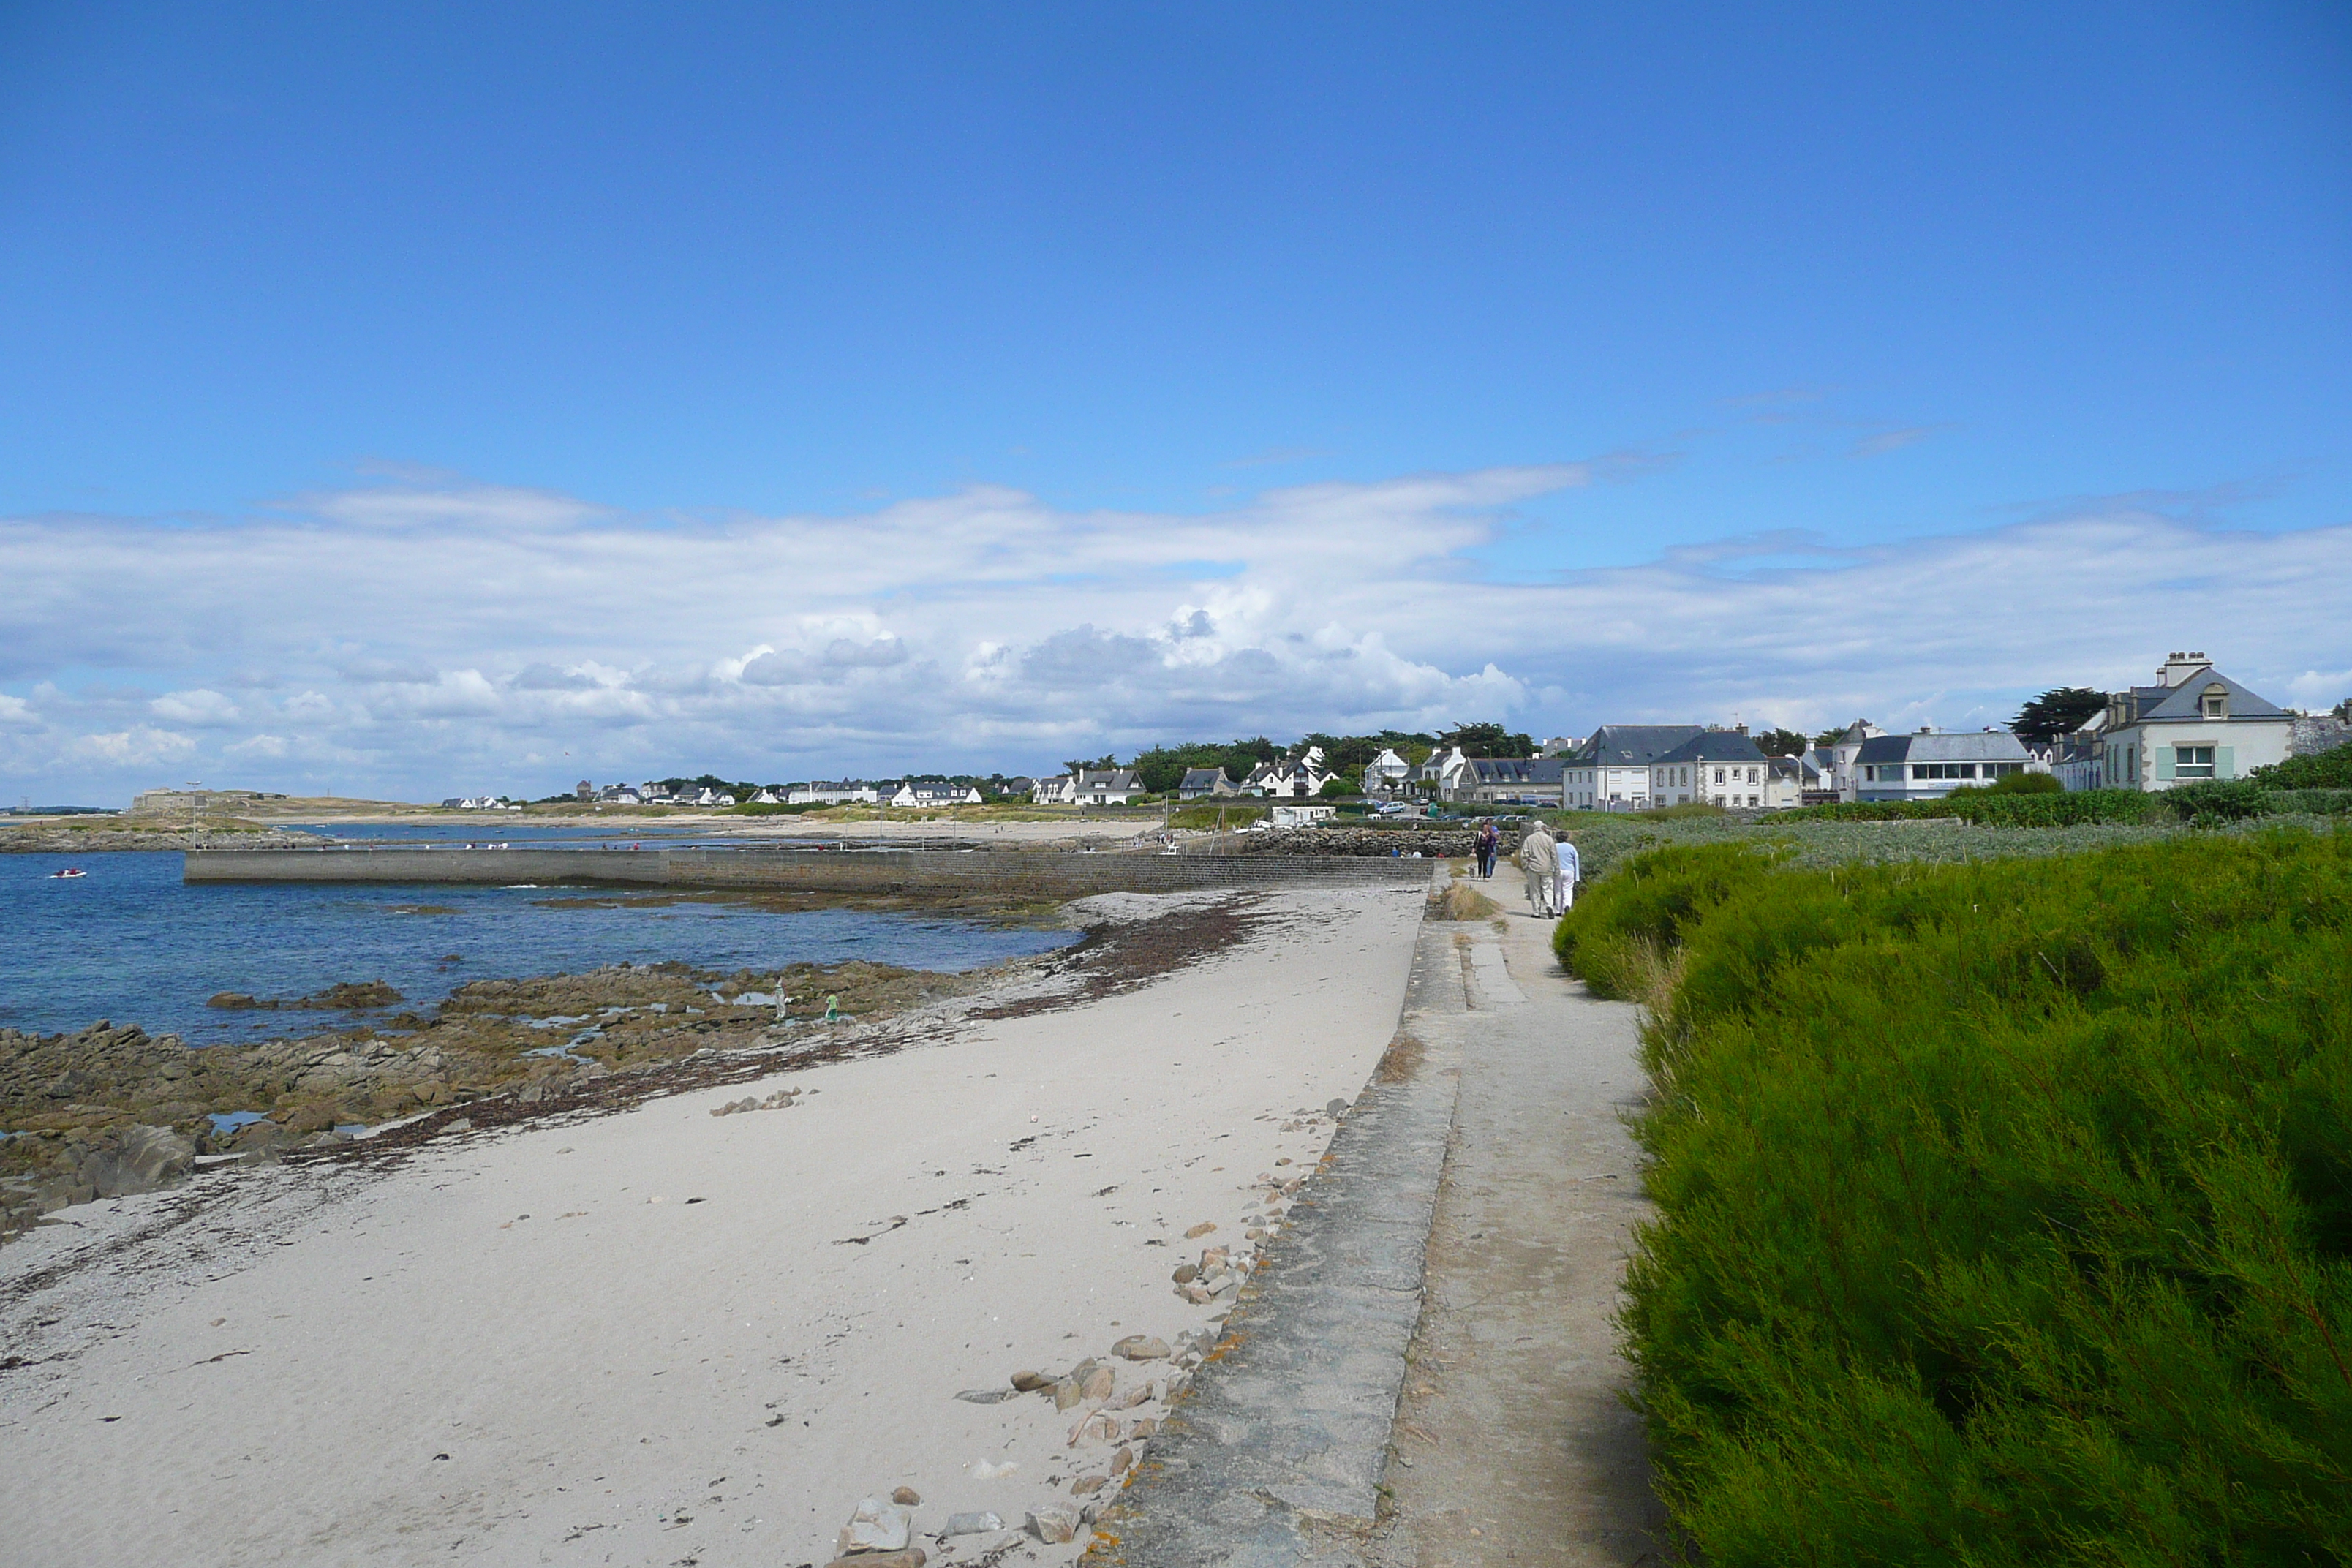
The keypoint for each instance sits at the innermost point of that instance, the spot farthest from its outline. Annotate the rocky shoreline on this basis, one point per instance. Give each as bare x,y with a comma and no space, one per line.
104,840
109,1112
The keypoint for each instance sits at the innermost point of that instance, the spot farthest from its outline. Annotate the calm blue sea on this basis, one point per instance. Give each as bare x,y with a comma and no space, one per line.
131,943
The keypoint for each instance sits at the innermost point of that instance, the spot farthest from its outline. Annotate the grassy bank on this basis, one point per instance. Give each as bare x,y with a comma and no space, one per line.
2004,1210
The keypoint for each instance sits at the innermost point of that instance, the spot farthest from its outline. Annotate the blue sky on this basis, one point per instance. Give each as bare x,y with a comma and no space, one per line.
1604,364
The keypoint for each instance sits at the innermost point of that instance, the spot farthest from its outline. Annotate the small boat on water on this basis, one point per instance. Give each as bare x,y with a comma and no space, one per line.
68,872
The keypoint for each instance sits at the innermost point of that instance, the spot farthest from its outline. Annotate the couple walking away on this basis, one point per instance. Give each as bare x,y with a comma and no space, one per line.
1488,841
1552,868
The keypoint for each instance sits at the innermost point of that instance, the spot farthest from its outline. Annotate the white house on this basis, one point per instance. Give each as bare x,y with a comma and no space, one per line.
1929,765
1286,778
1089,786
1203,784
1387,773
833,792
920,795
2194,723
1302,816
1510,781
1719,767
1835,762
1611,771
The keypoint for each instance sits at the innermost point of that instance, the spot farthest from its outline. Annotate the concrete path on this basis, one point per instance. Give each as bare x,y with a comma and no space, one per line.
1351,1421
1513,1444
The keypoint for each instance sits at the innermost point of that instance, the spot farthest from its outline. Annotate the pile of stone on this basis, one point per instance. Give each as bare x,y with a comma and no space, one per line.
1107,1439
783,1100
1430,842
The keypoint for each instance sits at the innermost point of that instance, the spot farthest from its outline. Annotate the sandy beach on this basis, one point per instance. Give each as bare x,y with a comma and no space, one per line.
657,1336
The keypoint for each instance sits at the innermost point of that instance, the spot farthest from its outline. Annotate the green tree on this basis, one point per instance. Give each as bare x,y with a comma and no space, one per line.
2061,711
1489,740
1781,743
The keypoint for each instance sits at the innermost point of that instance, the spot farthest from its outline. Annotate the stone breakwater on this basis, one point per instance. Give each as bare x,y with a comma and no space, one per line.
101,840
108,1111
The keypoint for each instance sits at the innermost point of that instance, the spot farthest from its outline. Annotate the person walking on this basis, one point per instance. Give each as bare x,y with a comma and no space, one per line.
1571,871
1540,858
1490,841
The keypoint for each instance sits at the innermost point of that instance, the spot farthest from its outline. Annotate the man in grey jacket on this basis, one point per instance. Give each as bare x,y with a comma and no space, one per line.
1540,858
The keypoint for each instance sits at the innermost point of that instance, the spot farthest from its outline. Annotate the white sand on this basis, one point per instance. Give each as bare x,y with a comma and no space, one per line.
601,1375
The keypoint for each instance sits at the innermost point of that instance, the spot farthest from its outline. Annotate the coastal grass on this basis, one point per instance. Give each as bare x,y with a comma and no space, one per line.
2003,1210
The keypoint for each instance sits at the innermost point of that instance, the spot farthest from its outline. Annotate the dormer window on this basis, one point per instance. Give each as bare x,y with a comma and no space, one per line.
2215,702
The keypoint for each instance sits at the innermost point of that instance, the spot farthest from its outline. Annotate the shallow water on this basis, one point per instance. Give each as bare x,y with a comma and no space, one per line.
131,943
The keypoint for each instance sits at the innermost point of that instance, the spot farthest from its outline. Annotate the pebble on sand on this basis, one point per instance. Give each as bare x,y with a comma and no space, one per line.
876,1526
971,1524
1054,1525
1140,1347
1200,1230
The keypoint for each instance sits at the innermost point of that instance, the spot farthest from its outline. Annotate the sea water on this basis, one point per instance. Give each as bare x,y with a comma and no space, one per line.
131,943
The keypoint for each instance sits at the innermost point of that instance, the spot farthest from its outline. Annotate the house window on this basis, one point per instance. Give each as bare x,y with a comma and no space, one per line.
2193,762
2215,703
1943,770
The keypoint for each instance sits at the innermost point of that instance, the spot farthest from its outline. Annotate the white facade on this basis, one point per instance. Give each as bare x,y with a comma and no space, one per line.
1092,786
1387,773
833,792
1932,764
1612,770
929,795
2195,724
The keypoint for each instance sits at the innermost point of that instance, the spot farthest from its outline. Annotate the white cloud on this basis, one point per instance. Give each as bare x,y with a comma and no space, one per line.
437,633
141,747
201,708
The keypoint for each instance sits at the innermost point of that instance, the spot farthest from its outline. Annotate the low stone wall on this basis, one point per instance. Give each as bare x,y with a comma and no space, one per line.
1014,873
1379,843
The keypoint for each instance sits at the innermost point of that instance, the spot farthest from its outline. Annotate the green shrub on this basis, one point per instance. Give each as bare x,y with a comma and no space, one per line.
2322,770
1613,936
2004,1212
2039,807
2210,802
2026,784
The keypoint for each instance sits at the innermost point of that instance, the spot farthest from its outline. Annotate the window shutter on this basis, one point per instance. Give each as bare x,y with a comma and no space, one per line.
2164,762
2222,768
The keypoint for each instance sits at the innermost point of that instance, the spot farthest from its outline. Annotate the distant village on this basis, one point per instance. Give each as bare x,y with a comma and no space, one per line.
2192,722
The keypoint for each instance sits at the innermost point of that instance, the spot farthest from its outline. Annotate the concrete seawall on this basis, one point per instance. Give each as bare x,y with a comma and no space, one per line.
1059,874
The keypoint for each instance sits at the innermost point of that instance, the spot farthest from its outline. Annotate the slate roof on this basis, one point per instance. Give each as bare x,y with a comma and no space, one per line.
1536,770
2185,700
1204,778
1716,746
1960,746
1632,745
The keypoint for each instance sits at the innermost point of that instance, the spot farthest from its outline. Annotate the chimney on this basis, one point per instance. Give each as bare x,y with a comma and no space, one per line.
2180,666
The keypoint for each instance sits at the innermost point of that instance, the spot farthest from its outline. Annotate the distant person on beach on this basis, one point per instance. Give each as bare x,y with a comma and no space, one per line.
1540,858
1488,841
1571,871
